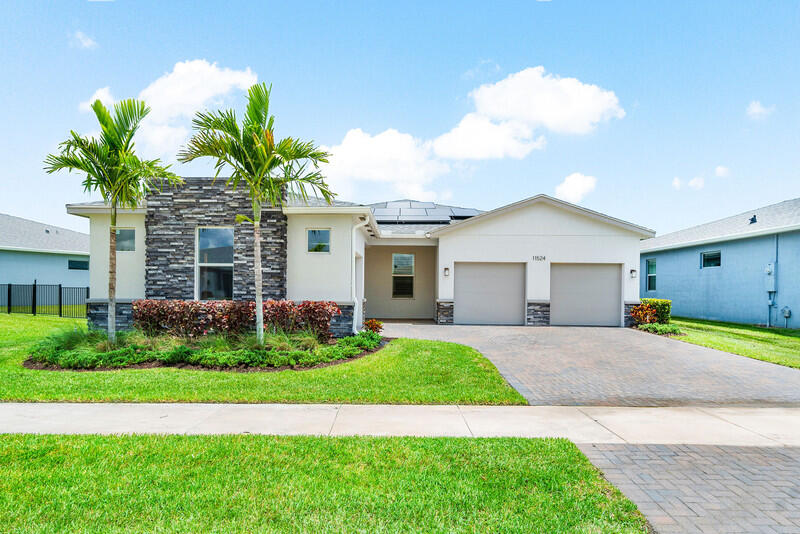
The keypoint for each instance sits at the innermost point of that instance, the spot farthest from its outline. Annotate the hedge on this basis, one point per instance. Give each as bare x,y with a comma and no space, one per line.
663,309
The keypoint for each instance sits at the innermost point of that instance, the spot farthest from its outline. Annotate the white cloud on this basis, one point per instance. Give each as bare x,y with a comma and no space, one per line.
103,94
477,137
81,40
484,69
722,171
392,157
575,187
756,110
676,183
540,99
698,182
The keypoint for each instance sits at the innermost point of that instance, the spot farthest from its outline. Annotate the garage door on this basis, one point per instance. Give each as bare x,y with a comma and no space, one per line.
585,294
489,293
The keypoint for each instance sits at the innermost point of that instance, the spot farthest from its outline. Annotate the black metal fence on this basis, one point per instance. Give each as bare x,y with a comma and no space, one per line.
44,299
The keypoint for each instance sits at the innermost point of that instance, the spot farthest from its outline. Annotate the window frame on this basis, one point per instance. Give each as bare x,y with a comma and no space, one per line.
116,240
703,259
71,268
197,263
330,240
412,276
647,263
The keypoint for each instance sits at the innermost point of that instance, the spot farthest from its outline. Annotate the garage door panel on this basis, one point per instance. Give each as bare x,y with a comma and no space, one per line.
585,294
489,293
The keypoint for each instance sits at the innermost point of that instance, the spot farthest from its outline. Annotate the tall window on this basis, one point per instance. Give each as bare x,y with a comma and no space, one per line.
711,259
126,239
214,264
402,276
651,275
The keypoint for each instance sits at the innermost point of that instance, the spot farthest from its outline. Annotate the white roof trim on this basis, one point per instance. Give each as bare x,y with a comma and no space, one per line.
641,230
84,210
720,239
45,251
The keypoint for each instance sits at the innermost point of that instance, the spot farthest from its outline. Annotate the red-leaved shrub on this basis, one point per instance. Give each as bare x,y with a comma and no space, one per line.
373,325
644,314
317,316
281,315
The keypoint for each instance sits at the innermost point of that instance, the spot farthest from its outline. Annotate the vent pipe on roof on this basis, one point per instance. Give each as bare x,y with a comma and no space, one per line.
753,219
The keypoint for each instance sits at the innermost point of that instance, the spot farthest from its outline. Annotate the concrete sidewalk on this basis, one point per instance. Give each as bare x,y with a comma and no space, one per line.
762,427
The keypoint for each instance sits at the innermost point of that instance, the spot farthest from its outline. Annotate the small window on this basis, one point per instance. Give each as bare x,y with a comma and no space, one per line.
126,240
78,265
711,259
319,240
402,276
215,263
651,275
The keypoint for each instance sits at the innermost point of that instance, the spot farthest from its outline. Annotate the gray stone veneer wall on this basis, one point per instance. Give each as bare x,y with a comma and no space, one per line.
97,314
172,218
628,318
342,325
444,312
538,314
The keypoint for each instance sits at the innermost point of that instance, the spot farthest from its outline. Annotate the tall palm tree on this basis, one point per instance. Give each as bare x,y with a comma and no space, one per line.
112,168
270,171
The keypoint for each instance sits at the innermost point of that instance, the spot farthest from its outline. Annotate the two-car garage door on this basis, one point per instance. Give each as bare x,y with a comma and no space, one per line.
580,294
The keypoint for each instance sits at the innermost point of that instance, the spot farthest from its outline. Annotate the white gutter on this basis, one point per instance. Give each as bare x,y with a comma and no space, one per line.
757,233
45,251
356,304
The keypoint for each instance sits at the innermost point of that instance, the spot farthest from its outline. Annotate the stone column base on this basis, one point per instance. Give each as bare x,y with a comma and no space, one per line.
342,325
628,319
444,312
538,313
97,314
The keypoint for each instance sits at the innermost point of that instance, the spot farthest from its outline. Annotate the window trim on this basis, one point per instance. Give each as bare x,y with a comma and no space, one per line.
330,240
648,275
703,259
197,263
413,275
117,229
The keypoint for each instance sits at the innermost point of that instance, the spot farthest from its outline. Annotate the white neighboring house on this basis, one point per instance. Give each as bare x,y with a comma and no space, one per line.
540,261
48,254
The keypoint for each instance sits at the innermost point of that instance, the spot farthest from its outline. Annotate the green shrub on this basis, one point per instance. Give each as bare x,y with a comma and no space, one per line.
663,308
660,329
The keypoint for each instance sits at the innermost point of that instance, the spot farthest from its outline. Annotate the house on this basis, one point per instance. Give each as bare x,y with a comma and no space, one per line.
743,269
539,261
48,254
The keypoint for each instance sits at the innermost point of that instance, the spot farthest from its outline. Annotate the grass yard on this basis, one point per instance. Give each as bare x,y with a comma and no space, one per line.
776,345
404,372
304,484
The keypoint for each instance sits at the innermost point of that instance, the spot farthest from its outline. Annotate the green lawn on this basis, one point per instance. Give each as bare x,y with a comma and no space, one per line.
776,345
405,372
304,484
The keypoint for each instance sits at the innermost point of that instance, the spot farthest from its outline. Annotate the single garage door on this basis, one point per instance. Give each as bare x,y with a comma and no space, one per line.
585,294
489,293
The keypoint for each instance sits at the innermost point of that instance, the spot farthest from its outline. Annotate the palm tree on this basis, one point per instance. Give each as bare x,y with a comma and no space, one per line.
270,171
113,169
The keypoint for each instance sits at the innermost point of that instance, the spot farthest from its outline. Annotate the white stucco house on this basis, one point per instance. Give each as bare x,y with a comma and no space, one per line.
539,261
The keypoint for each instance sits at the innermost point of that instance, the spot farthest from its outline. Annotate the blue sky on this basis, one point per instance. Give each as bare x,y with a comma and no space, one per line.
665,114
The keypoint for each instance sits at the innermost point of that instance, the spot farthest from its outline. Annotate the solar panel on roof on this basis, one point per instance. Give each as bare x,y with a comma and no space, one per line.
410,211
422,205
399,204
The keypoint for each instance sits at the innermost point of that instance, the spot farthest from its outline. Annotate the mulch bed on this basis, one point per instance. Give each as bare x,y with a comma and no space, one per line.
39,366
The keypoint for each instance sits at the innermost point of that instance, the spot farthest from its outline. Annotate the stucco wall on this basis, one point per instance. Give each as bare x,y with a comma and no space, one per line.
735,291
320,275
18,267
130,265
378,283
542,230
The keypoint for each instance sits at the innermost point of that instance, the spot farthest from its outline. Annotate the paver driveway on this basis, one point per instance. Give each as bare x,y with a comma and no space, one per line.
616,366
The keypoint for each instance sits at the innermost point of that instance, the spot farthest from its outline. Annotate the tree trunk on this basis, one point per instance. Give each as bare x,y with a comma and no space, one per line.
112,278
258,276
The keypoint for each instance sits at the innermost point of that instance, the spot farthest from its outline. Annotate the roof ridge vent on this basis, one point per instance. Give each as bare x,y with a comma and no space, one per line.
753,219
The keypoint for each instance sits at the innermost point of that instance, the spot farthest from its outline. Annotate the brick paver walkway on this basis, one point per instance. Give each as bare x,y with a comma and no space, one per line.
705,488
580,366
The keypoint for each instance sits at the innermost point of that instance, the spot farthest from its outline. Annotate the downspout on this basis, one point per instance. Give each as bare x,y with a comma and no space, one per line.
353,295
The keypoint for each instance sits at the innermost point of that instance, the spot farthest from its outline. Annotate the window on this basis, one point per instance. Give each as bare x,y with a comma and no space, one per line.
78,265
711,259
402,276
126,239
651,275
214,263
319,240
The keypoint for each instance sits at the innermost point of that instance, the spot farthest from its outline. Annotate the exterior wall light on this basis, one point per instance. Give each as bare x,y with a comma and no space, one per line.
633,273
447,271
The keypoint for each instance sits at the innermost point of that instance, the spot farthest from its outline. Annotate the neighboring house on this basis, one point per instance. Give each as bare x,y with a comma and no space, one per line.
539,261
743,269
48,254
